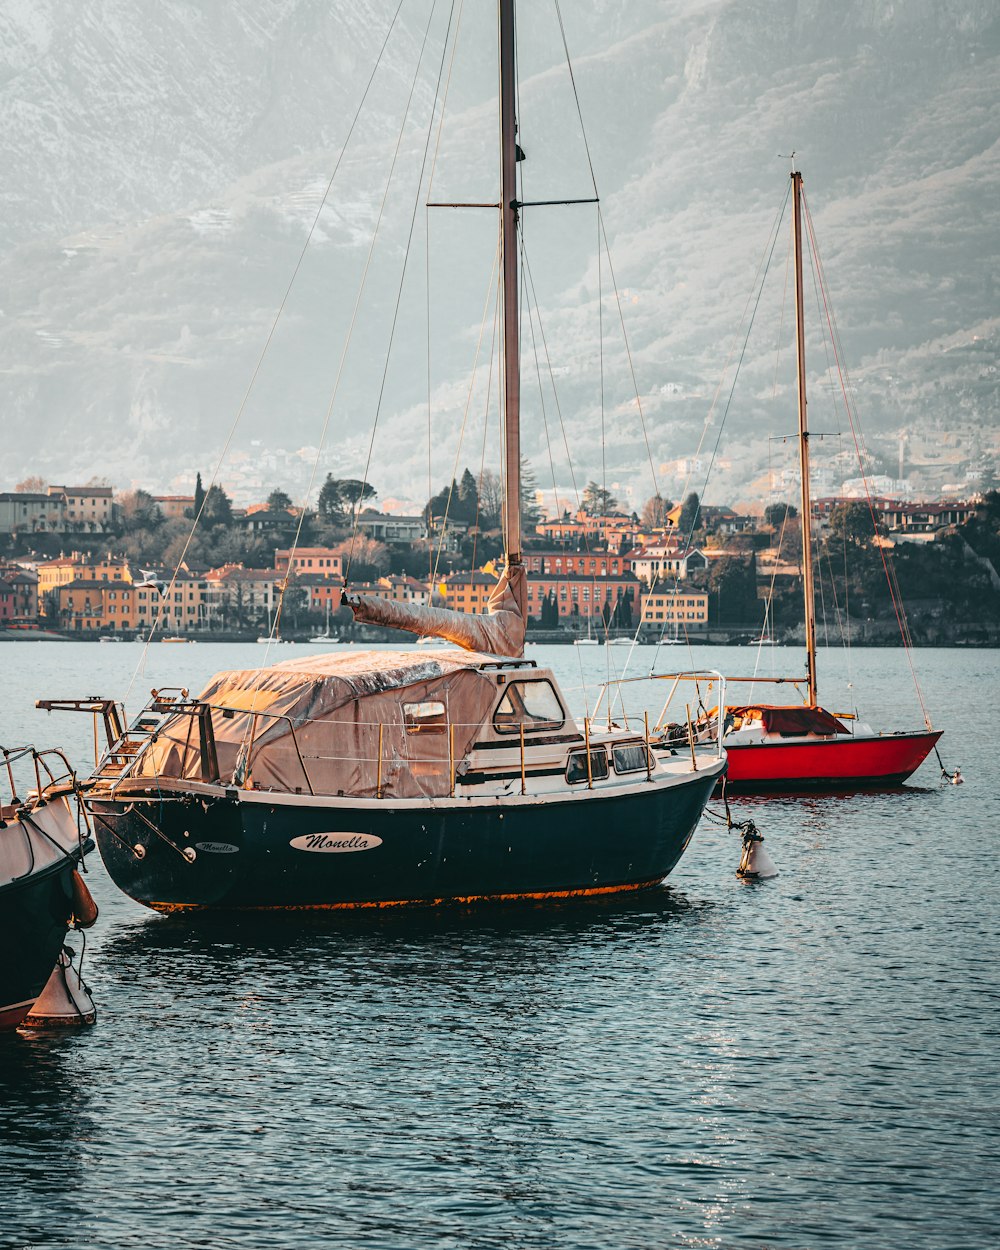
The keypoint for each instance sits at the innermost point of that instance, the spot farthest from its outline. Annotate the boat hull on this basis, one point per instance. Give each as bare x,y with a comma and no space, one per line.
34,917
254,852
839,763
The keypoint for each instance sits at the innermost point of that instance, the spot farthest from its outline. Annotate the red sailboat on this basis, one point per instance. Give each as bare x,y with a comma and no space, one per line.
782,747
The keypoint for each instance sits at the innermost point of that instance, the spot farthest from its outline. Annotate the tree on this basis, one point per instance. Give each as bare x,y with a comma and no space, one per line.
732,582
687,522
597,500
441,505
622,618
353,491
278,501
33,485
218,507
330,505
368,558
654,512
138,511
490,501
199,495
467,506
549,612
776,514
339,494
531,514
853,522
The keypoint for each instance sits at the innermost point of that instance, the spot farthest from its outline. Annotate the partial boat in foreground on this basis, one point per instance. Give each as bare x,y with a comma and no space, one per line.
42,844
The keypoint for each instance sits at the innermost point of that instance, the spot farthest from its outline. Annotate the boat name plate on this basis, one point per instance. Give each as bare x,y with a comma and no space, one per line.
337,842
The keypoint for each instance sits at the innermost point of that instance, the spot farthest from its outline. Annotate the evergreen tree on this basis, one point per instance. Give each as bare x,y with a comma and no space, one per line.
218,507
775,514
330,505
690,513
278,501
597,500
199,495
353,492
467,508
531,514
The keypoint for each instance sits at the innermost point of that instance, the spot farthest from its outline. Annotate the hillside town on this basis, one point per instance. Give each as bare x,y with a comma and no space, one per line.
87,562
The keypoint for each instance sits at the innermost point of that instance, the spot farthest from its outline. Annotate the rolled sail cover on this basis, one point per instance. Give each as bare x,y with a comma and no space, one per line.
336,704
501,632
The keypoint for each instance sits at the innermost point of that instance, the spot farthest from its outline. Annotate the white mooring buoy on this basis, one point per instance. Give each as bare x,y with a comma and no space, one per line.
755,863
65,1001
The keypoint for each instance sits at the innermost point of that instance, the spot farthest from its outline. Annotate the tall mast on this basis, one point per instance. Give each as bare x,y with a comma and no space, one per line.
808,590
511,346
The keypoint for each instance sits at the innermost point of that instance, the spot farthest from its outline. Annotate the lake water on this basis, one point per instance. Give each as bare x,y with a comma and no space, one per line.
806,1062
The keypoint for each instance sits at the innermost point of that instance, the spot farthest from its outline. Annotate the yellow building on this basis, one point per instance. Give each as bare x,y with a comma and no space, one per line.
686,609
468,592
182,605
54,574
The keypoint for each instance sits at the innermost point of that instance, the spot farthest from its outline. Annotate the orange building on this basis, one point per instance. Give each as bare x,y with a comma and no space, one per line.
323,561
584,595
86,604
92,605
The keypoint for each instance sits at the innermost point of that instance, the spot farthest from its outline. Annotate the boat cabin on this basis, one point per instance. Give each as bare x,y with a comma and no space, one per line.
388,724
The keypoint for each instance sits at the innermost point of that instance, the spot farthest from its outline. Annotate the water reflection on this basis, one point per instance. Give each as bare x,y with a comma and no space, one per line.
205,944
45,1119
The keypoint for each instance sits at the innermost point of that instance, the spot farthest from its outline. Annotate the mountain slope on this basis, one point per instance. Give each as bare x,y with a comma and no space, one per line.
165,163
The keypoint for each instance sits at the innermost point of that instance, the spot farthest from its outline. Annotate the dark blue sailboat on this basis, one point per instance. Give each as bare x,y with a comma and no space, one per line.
390,778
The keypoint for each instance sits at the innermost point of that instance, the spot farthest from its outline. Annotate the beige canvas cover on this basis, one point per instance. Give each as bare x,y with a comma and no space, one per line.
335,704
501,632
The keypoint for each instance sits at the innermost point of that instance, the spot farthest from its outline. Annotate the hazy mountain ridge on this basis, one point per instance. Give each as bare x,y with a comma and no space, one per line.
163,178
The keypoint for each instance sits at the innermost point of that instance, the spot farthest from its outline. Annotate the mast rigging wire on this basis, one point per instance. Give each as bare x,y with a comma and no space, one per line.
267,341
887,566
353,322
402,281
763,267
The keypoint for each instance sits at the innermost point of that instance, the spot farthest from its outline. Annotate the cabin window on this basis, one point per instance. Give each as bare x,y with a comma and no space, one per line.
425,718
533,704
630,758
576,769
